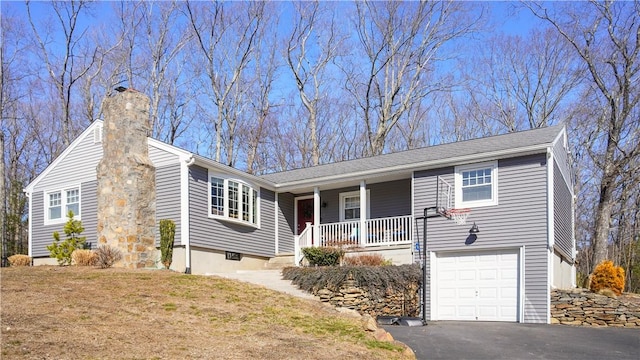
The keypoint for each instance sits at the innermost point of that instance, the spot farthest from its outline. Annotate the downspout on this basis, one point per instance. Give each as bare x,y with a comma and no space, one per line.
550,231
185,218
30,237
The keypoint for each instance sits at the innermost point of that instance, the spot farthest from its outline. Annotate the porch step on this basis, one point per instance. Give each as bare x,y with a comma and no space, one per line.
280,261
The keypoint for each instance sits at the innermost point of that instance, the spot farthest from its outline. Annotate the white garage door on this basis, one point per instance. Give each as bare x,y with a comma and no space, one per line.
479,286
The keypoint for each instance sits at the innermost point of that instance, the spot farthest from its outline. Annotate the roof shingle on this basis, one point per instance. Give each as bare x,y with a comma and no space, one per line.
524,139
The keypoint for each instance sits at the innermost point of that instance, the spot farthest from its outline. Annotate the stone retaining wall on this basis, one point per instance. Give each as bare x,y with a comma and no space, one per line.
582,307
406,303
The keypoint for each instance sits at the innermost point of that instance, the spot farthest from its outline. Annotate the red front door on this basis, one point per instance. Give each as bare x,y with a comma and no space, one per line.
305,213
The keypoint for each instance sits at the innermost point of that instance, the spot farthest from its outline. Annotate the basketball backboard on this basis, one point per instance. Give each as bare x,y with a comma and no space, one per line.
444,197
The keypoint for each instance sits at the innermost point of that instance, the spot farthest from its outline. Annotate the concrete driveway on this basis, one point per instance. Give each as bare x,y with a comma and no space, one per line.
492,340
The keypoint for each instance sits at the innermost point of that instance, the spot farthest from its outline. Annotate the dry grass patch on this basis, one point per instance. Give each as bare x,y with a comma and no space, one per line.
88,313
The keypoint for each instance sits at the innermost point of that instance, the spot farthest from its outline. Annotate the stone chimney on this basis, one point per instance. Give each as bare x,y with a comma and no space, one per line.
126,180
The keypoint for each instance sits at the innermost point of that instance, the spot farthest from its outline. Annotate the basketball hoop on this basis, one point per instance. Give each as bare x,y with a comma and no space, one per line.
458,215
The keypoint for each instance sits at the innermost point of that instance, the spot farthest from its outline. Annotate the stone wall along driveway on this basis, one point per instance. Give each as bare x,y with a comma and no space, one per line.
583,307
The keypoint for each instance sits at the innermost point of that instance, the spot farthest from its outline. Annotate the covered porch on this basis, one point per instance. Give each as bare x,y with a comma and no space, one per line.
366,216
387,231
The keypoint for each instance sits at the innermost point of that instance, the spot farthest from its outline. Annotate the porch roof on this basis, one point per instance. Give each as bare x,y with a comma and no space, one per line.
457,153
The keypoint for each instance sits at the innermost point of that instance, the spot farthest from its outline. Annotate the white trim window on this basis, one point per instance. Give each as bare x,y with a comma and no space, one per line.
217,196
232,199
59,202
476,185
350,205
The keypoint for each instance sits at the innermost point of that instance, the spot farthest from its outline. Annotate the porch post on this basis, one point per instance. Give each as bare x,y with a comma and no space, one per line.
316,216
363,212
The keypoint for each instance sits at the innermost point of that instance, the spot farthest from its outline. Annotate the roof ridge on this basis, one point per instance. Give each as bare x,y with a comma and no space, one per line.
423,148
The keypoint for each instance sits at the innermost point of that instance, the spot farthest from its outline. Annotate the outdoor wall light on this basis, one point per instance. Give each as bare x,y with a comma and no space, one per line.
474,229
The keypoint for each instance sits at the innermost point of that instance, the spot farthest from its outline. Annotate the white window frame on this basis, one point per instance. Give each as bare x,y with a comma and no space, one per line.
459,203
254,206
63,205
350,194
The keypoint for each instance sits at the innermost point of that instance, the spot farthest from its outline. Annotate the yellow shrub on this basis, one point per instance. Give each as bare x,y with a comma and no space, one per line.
19,260
82,257
608,276
365,260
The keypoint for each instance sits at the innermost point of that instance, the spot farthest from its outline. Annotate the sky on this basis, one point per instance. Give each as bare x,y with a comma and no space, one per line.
503,15
507,18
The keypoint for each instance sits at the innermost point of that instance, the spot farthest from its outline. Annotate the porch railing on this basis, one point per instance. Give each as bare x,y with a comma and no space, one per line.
305,239
379,232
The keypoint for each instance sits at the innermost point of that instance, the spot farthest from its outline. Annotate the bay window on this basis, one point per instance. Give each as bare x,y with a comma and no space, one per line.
233,200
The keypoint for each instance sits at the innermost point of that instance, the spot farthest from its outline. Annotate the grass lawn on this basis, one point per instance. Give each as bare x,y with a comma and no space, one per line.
87,313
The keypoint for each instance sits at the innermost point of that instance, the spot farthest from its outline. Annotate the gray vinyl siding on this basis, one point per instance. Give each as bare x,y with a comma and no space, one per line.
388,199
43,235
224,235
168,198
519,219
562,224
161,158
286,223
561,158
79,166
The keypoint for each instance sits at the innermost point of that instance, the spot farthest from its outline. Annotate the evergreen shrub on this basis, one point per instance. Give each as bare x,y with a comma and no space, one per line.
376,279
62,251
323,255
167,236
607,276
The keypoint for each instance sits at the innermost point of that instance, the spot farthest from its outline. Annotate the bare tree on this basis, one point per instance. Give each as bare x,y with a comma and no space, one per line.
606,38
226,35
14,73
400,43
165,40
312,46
65,70
524,81
260,117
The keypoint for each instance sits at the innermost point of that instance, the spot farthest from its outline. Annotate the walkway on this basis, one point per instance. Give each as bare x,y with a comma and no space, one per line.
271,279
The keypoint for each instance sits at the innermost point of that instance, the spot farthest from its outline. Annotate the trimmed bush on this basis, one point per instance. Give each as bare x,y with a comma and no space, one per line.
84,257
62,251
323,256
365,260
167,235
19,260
375,279
607,276
107,256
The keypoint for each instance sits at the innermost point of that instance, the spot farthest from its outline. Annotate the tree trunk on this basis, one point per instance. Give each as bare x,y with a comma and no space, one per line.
3,198
602,224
